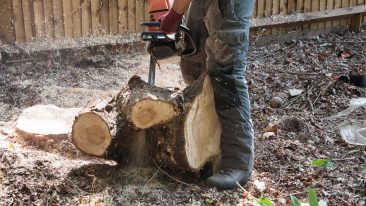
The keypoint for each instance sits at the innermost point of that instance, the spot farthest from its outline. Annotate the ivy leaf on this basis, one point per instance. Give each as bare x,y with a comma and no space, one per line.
313,201
323,163
265,202
364,169
295,201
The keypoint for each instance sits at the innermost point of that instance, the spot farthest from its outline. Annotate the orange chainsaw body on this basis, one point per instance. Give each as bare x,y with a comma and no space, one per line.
158,8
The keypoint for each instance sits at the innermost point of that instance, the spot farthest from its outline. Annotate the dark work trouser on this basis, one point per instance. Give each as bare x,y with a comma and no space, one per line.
221,30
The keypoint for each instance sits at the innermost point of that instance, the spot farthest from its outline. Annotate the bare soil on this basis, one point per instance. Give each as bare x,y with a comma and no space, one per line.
305,130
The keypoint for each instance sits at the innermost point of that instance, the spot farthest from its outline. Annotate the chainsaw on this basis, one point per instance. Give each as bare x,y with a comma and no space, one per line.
163,46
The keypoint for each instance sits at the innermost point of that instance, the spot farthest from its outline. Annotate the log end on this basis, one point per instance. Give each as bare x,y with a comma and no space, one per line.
202,129
91,134
147,113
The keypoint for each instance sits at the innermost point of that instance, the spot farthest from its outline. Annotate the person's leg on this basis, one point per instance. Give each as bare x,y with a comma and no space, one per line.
193,67
227,22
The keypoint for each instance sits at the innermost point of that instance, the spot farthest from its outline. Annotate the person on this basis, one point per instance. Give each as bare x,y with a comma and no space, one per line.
220,28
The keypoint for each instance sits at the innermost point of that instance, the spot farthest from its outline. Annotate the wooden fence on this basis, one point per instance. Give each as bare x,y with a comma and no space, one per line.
26,20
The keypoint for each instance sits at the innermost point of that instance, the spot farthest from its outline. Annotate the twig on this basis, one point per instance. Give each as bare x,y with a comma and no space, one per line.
310,103
321,92
152,177
77,187
279,177
11,201
343,159
293,100
297,193
297,73
177,179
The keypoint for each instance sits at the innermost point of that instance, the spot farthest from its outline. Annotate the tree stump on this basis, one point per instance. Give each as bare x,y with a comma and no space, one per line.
46,122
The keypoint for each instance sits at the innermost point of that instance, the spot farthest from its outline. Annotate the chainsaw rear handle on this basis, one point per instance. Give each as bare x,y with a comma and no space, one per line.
181,28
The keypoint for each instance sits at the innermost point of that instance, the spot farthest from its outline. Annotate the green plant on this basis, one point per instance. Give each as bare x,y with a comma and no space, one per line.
264,201
295,201
323,163
313,201
364,169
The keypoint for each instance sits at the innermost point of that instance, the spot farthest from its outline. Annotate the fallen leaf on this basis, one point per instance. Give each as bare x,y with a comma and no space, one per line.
272,127
345,54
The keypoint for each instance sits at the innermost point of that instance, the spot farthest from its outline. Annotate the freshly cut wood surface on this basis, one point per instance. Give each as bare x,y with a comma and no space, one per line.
95,127
46,120
193,138
91,134
145,105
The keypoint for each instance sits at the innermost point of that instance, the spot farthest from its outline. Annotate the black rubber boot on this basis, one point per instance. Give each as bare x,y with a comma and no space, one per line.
228,179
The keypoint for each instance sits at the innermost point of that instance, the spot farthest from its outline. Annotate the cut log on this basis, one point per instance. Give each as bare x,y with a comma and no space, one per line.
145,105
193,138
180,130
107,128
94,127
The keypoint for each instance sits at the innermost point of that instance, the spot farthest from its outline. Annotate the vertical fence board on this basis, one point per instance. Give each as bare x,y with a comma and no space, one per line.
337,5
260,8
113,16
68,25
131,11
85,18
6,21
291,6
76,18
104,15
268,11
307,8
18,20
330,5
275,11
362,2
283,7
254,14
353,2
300,6
48,19
27,18
345,4
314,7
122,16
299,9
95,17
322,7
147,14
140,11
58,18
39,18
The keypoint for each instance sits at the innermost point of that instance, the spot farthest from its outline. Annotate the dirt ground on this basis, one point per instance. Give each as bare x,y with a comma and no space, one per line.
305,130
